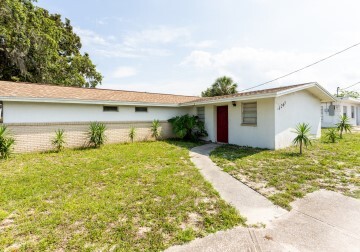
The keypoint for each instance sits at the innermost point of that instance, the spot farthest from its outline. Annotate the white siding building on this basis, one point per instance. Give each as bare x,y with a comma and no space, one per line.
332,111
263,118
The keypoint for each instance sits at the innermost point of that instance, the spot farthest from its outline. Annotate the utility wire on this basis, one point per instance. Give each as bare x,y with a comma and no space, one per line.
300,69
351,85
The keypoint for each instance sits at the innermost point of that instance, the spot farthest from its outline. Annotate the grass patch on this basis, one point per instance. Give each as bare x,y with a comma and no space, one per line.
284,175
127,197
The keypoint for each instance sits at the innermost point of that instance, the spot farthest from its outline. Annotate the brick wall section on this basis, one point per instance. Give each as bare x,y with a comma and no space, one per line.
32,137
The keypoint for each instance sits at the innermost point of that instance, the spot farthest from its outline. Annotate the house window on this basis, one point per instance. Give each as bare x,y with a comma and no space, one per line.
345,110
110,109
249,113
322,113
141,109
352,112
200,111
1,111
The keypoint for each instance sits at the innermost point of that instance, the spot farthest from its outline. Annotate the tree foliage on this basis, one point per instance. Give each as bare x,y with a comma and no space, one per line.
222,86
39,47
188,127
345,93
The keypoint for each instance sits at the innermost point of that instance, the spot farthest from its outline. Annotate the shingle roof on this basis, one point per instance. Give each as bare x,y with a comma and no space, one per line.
21,90
30,90
256,92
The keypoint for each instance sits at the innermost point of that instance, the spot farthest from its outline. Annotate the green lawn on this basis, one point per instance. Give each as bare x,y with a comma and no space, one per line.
142,196
284,175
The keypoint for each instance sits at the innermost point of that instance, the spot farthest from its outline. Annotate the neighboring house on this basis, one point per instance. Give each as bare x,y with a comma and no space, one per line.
331,111
263,118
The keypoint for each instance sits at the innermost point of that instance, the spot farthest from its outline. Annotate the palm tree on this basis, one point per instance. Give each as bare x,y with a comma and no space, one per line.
344,125
222,86
303,137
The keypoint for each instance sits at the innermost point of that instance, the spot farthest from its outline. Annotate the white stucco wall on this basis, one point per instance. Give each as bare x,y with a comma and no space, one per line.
262,135
298,107
21,112
330,121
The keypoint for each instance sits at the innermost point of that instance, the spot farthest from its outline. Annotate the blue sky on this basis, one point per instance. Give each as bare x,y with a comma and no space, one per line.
182,46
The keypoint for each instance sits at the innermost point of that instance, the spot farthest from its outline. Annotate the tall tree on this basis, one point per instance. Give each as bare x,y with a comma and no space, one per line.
222,86
36,46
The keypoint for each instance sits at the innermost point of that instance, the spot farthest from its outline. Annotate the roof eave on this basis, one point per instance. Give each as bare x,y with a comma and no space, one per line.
326,96
95,102
230,99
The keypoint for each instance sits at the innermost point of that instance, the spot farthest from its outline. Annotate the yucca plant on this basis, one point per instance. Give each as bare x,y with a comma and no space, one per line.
155,129
331,135
59,140
302,131
343,125
6,142
132,133
96,134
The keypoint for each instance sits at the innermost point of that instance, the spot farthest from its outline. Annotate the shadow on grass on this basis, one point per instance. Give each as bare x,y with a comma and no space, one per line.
188,144
233,152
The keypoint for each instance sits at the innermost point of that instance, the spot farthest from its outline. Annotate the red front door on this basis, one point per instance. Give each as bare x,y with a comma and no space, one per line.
222,124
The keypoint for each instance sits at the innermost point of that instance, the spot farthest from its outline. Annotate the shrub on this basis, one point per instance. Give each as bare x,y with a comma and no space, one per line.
6,142
58,141
331,135
96,134
302,130
132,133
155,129
343,125
188,127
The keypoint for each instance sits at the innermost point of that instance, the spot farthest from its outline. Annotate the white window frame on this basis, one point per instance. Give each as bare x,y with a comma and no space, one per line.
1,112
199,115
344,110
246,109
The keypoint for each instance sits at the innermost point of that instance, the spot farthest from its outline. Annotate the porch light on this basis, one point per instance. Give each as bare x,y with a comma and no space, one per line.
234,103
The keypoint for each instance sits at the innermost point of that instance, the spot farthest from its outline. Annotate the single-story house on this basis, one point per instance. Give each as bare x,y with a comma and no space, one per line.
263,118
332,111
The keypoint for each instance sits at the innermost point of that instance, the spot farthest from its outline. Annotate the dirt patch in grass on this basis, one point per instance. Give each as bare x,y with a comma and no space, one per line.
123,197
284,175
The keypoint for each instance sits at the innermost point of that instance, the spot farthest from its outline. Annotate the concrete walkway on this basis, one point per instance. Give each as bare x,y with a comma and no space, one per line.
252,205
322,221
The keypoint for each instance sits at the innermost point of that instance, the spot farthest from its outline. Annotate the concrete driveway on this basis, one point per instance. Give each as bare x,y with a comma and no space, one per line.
322,221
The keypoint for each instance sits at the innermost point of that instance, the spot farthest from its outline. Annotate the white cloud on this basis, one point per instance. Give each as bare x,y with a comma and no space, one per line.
251,66
123,72
160,35
90,38
202,44
199,59
138,45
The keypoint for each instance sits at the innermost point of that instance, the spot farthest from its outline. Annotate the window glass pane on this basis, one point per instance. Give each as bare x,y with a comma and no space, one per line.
249,111
110,108
140,109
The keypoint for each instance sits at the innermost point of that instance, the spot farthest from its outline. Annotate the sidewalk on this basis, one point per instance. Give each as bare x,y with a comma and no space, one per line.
252,205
